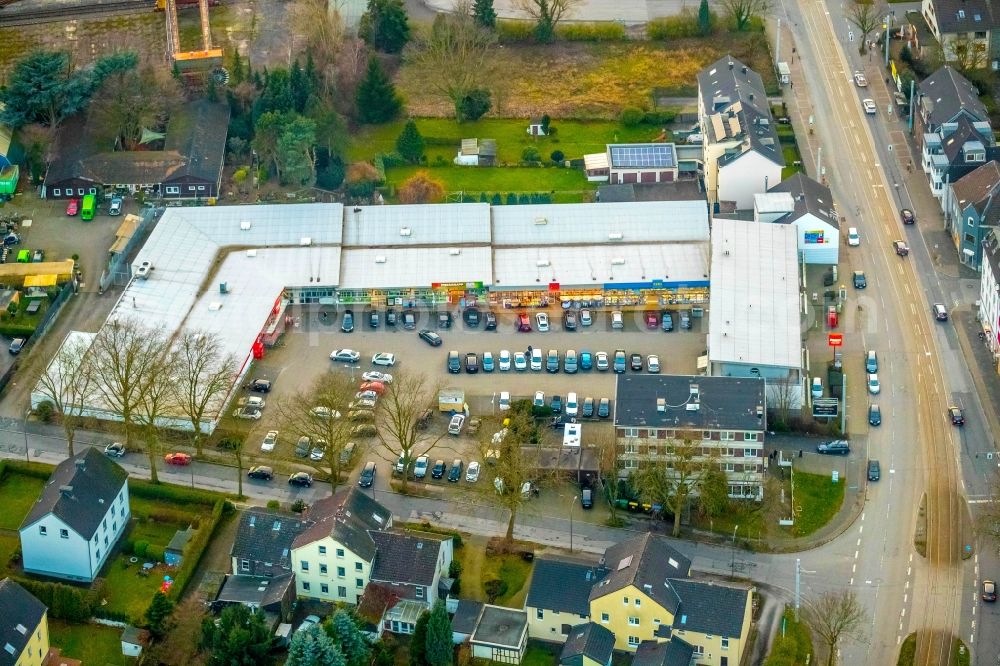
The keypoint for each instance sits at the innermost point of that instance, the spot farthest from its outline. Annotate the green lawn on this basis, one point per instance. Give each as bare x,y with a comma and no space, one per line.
511,569
9,543
539,653
93,644
17,494
128,592
819,498
792,645
573,138
568,184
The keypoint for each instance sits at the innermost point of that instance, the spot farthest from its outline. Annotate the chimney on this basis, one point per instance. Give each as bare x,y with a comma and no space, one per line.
80,463
66,491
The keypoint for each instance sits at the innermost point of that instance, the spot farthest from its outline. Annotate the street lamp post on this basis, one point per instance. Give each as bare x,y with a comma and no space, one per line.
733,566
571,507
27,413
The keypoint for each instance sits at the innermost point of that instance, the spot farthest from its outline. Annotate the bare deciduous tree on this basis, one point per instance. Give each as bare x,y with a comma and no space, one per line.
135,99
967,54
610,468
204,377
866,17
673,483
547,12
323,414
158,399
454,57
67,382
509,466
234,445
400,423
742,12
835,615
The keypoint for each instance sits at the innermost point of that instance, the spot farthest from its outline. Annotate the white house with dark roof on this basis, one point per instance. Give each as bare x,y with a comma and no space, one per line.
24,627
741,152
723,416
808,206
73,527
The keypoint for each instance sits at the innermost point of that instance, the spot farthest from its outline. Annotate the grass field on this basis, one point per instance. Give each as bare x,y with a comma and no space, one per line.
93,644
568,184
820,500
793,645
17,494
574,138
513,570
539,653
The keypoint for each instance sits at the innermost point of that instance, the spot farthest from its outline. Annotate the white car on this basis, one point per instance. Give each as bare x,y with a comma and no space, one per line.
376,376
270,440
366,395
572,404
420,467
504,401
318,451
384,359
873,385
853,238
472,472
585,318
345,355
321,412
601,361
617,320
536,360
250,413
542,321
860,79
653,363
520,362
503,361
539,399
869,105
363,403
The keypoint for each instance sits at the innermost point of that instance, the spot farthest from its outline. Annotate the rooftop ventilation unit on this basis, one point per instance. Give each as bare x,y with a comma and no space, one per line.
405,231
455,251
251,253
245,226
541,263
223,288
614,235
618,261
380,259
541,220
215,306
143,271
305,241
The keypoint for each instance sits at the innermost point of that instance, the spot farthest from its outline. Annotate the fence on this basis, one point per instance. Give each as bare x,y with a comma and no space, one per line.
117,272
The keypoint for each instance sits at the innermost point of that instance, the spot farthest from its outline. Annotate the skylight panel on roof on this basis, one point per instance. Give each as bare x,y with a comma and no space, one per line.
624,564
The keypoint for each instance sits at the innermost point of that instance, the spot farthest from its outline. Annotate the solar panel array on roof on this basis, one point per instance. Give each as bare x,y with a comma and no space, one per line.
632,157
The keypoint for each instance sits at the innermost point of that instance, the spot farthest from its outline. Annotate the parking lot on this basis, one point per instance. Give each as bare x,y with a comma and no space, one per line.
304,352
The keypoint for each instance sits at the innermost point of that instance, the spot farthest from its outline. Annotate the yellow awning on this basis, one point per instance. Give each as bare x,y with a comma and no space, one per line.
40,280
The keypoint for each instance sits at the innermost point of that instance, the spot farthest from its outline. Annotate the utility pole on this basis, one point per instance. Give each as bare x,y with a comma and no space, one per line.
819,162
777,46
798,586
733,565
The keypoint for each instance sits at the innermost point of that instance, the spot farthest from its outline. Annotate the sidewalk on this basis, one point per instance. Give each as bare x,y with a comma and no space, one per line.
979,360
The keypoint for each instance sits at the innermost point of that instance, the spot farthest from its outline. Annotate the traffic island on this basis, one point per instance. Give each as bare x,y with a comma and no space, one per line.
920,532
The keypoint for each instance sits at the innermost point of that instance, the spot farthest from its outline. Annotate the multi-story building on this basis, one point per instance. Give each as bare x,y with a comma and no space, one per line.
24,627
965,29
956,149
944,97
263,543
643,594
351,543
721,419
73,527
975,209
989,294
807,205
741,152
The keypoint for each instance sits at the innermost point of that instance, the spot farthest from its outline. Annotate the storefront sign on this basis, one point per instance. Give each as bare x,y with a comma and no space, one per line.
456,285
553,286
814,237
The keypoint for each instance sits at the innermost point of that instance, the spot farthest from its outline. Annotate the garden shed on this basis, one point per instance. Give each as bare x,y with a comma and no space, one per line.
175,549
477,152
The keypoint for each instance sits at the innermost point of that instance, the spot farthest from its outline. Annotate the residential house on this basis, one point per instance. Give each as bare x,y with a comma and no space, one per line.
675,652
965,30
501,634
188,166
808,205
24,626
721,417
741,153
944,97
73,527
559,596
588,645
629,163
263,543
272,594
955,150
649,596
351,542
989,294
975,209
756,325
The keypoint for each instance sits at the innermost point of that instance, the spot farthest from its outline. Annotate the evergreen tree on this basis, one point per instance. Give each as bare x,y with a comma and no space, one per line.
418,641
473,106
485,15
276,95
511,199
440,648
704,18
496,200
239,637
385,26
376,99
298,87
314,647
352,643
236,69
410,144
158,613
311,74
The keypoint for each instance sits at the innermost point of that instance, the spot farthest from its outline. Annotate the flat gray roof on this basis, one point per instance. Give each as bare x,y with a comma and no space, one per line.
388,268
419,224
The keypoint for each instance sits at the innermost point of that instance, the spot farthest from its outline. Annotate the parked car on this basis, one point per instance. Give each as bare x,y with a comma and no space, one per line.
318,450
653,363
874,470
177,459
837,447
115,208
542,321
373,319
520,362
364,430
385,359
472,363
260,386
552,361
261,472
302,447
860,281
572,404
115,449
345,356
586,360
569,320
556,404
248,412
635,362
310,621
652,319
270,441
539,399
503,360
454,362
588,407
907,216
455,472
376,387
472,472
940,312
536,360
617,320
570,363
367,478
504,403
989,591
471,317
16,345
604,408
488,365
874,415
420,467
390,317
956,415
491,321
667,322
686,320
853,238
444,320
73,207
410,320
430,337
585,318
456,423
437,472
523,323
347,321
587,498
376,376
619,360
602,361
301,479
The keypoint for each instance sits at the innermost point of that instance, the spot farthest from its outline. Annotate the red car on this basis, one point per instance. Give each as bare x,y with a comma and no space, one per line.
72,207
377,387
652,320
177,459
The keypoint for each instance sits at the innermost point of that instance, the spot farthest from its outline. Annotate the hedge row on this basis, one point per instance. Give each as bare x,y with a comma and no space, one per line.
591,32
147,490
515,31
681,26
65,602
18,330
35,470
196,548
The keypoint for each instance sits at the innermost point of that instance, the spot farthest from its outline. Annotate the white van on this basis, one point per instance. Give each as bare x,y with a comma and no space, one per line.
817,388
572,406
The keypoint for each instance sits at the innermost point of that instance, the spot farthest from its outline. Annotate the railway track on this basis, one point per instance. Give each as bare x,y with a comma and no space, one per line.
11,18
